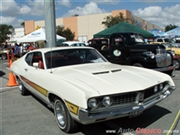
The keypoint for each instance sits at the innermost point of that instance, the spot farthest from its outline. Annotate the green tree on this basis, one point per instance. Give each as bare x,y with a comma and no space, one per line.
22,24
5,31
67,33
110,20
170,27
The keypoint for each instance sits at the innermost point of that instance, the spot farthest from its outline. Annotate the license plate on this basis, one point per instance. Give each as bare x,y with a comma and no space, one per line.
135,114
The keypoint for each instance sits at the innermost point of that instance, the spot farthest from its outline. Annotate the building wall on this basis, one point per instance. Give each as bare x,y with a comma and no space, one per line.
39,24
29,26
89,25
86,26
72,24
126,13
18,33
59,22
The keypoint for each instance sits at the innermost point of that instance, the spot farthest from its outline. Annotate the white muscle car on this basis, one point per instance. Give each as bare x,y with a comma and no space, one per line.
83,87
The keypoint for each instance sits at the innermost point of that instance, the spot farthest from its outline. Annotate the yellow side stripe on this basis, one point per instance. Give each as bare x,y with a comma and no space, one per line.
174,123
72,108
35,86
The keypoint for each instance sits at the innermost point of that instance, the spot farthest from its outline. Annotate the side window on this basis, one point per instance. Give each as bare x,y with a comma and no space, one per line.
37,56
118,41
28,58
159,40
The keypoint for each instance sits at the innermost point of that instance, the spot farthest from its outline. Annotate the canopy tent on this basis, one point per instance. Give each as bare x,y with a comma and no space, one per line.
37,35
123,27
172,33
157,32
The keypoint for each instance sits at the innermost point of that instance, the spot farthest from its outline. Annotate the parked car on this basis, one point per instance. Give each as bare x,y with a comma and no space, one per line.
176,51
83,87
173,41
130,48
4,52
72,43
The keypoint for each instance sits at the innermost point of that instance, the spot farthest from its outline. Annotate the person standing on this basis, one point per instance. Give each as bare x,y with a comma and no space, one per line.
16,50
20,50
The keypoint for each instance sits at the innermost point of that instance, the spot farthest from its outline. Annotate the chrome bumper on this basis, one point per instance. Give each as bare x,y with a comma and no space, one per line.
163,69
86,117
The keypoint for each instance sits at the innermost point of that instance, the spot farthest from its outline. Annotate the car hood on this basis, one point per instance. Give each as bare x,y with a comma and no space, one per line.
176,50
106,78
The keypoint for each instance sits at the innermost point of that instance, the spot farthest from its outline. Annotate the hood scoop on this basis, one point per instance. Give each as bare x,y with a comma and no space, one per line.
116,70
103,72
106,72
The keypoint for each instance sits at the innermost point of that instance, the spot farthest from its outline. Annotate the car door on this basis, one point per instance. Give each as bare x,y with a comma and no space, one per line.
34,75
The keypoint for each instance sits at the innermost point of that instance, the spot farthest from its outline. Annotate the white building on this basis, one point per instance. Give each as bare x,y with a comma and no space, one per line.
17,33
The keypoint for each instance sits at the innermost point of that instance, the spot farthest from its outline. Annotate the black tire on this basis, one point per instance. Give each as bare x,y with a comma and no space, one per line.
137,65
176,63
63,117
3,56
170,72
23,90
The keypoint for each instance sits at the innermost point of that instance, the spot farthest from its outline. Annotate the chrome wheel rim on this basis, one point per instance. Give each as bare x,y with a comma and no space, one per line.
20,86
176,64
60,114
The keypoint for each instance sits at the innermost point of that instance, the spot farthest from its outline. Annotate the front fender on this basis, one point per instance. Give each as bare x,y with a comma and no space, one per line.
142,59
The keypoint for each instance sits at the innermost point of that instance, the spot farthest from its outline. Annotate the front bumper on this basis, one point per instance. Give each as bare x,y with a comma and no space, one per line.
163,69
87,117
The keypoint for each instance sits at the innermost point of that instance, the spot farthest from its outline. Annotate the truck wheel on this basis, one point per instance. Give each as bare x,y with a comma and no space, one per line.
137,65
176,64
170,73
63,117
3,56
23,90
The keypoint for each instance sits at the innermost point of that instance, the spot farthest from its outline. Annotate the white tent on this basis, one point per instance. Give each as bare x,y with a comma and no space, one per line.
37,35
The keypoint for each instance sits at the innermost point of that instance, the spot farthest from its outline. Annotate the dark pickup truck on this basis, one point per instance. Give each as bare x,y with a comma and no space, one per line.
131,49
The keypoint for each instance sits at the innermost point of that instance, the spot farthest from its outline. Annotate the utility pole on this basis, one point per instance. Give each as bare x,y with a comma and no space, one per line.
50,23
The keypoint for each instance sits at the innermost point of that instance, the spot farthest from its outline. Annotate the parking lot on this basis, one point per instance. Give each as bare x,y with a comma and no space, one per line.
26,115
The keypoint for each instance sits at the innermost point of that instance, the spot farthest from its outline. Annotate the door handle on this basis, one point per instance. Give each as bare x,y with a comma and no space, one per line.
26,69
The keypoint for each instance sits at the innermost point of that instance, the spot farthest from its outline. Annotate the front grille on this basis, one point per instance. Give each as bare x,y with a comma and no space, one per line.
122,99
163,59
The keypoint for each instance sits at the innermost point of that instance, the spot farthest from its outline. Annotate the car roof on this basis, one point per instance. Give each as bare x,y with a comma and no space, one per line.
44,50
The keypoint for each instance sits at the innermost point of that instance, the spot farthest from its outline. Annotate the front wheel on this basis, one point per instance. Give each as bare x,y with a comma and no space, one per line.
176,63
23,90
63,117
170,72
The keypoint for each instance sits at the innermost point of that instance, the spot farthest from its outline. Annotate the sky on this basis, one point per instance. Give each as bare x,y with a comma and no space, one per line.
158,12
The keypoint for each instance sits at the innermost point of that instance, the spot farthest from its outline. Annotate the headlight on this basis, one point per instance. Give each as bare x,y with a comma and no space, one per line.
150,54
155,89
117,53
107,101
161,86
92,103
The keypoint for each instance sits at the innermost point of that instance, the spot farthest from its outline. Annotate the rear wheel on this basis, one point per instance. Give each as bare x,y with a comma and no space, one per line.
176,63
23,90
63,117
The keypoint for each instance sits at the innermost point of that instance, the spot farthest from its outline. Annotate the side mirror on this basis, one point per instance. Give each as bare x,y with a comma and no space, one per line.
35,64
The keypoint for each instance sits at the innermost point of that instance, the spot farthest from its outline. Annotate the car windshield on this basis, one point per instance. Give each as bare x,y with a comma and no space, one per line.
69,57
